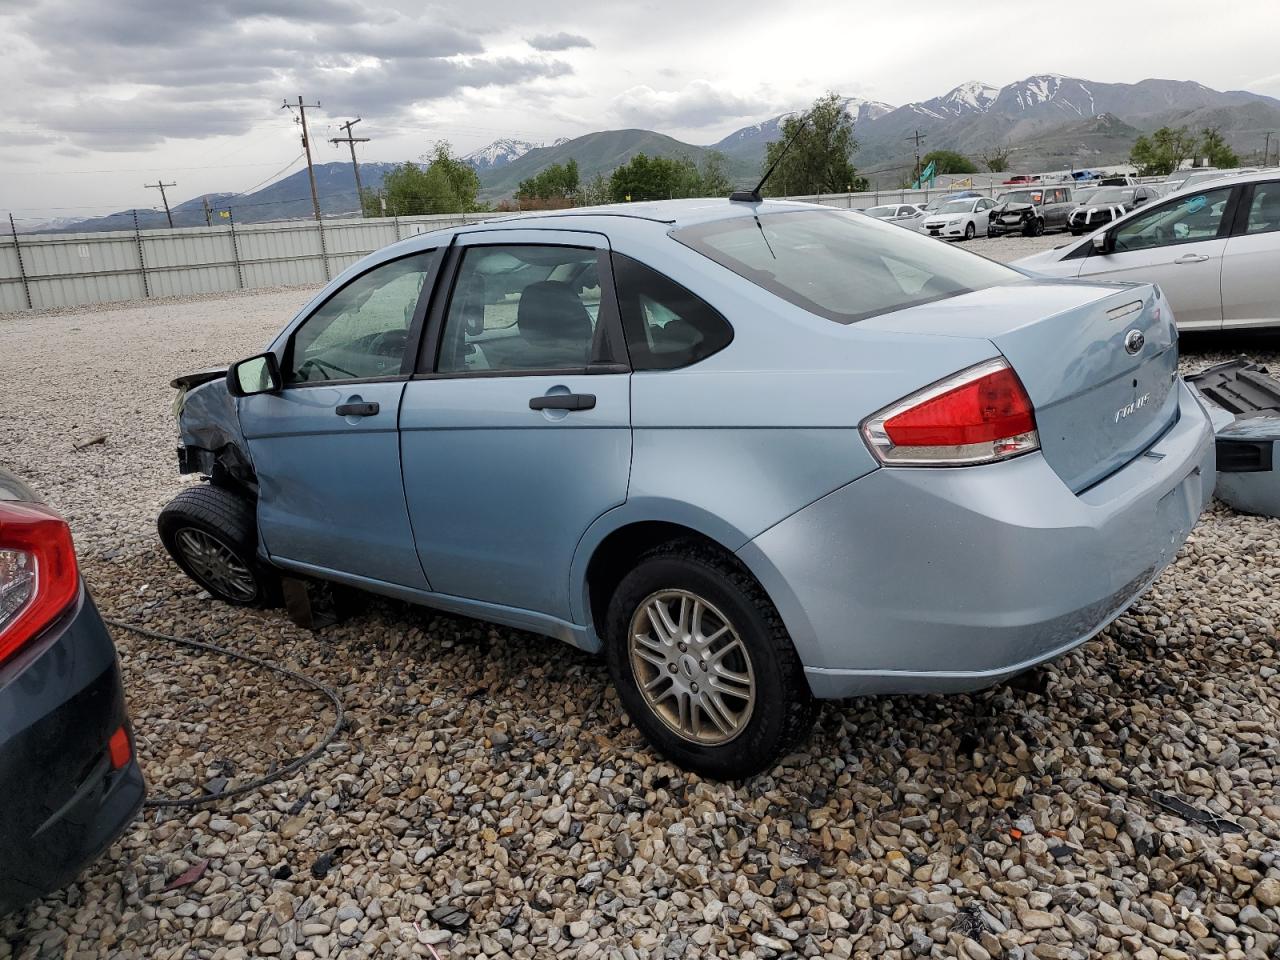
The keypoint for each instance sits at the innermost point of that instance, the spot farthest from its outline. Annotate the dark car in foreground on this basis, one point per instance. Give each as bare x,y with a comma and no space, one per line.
67,767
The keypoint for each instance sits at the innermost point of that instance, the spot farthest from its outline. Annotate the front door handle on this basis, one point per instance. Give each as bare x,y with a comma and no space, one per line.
357,409
564,401
1191,258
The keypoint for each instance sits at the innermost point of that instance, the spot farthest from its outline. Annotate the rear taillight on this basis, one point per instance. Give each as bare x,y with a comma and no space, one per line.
38,574
978,416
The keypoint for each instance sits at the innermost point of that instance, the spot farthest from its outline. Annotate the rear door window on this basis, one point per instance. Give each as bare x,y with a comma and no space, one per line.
1264,210
666,326
839,266
522,308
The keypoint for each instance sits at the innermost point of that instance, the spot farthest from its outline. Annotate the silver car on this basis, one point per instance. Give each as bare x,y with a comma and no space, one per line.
961,219
909,215
1212,250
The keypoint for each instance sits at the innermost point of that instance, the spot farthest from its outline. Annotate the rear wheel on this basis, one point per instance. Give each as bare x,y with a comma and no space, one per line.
212,535
970,230
703,663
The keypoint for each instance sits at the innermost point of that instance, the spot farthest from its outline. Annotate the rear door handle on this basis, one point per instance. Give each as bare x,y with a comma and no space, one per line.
357,409
1191,258
564,401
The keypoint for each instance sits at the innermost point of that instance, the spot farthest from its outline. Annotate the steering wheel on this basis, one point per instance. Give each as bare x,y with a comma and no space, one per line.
389,343
321,364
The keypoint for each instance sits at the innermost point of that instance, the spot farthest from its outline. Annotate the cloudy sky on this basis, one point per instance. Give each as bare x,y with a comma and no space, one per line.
101,96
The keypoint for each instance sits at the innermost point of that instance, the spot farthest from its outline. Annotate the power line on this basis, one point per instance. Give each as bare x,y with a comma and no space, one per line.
351,141
306,145
160,185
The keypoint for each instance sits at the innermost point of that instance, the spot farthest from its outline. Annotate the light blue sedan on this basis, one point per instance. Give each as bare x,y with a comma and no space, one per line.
758,454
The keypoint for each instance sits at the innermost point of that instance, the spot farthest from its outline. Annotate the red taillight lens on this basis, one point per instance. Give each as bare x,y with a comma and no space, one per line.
980,415
119,748
38,574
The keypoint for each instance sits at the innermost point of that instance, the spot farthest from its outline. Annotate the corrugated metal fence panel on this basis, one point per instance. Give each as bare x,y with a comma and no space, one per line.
84,268
276,255
11,295
181,262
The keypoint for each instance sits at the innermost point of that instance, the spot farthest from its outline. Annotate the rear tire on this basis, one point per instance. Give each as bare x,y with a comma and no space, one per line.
211,533
722,692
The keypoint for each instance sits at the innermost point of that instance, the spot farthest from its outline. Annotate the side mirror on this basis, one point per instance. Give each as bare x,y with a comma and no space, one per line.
1102,242
260,374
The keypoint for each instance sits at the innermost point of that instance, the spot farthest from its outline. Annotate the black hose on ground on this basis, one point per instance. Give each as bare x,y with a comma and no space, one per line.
283,772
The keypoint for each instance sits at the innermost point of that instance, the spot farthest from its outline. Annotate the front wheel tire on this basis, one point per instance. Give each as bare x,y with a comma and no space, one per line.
211,533
970,231
704,665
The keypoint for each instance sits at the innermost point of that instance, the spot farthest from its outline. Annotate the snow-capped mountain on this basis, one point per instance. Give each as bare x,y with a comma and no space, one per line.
973,96
499,153
749,140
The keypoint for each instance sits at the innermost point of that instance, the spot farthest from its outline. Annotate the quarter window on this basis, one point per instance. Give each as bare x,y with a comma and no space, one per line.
360,333
666,326
1264,211
1188,220
521,308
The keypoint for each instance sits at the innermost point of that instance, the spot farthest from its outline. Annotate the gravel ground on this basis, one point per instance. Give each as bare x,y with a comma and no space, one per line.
492,770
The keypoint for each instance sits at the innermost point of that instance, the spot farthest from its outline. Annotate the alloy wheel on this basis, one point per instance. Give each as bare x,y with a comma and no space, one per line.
216,564
691,667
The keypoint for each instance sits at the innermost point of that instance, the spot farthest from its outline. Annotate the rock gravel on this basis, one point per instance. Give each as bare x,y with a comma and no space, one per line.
493,771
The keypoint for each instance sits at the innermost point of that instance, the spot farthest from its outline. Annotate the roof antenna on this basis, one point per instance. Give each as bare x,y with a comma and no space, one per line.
753,196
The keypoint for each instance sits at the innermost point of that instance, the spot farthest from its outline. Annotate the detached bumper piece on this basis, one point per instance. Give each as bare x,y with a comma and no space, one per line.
1243,401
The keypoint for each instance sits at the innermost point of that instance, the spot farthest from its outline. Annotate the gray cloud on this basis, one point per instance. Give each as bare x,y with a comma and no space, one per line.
558,41
218,73
699,104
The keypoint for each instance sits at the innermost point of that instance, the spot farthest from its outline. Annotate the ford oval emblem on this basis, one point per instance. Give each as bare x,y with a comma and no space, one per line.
1134,341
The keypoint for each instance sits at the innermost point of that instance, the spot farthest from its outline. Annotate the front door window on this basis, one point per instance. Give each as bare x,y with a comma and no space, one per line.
361,331
1187,220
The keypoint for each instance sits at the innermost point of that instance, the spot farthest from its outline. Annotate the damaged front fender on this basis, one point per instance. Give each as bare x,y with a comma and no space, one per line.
209,428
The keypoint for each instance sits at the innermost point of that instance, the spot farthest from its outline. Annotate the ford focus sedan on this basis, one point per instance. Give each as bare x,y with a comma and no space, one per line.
1212,250
758,454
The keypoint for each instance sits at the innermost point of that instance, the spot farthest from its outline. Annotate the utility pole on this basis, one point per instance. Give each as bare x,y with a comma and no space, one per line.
160,185
351,141
917,137
1266,151
208,214
306,146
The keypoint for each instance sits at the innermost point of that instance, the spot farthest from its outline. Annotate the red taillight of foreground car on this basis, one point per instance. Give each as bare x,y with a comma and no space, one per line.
39,578
980,415
119,748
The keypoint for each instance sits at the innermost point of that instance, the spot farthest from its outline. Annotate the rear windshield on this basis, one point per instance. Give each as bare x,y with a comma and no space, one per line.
840,266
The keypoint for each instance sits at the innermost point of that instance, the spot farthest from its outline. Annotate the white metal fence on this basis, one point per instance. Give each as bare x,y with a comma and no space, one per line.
39,271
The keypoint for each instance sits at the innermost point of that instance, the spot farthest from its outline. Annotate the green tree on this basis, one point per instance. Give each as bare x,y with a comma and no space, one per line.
820,160
996,159
651,178
948,161
445,184
595,192
557,182
713,175
1163,152
1214,149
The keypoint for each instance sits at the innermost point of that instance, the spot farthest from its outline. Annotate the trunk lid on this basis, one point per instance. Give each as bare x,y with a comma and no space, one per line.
1098,403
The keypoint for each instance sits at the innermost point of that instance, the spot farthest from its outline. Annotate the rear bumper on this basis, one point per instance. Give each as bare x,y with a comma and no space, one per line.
60,701
920,580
